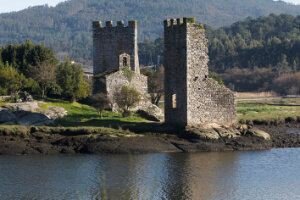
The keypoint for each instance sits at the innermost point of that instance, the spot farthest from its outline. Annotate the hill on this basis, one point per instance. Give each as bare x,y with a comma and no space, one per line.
253,53
67,27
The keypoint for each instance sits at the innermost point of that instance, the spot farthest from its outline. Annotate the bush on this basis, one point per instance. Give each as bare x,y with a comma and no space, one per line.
127,97
127,113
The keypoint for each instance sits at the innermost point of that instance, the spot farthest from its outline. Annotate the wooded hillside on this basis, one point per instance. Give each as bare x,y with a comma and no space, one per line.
67,27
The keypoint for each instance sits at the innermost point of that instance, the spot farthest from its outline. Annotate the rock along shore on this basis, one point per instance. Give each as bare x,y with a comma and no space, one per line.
188,140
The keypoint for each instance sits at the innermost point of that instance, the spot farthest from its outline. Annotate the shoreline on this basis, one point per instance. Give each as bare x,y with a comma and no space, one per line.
38,143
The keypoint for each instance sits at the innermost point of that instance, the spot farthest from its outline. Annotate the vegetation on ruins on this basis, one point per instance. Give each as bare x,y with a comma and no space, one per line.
128,73
127,98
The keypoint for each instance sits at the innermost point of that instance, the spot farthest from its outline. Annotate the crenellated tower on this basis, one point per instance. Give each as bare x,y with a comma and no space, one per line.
191,98
115,47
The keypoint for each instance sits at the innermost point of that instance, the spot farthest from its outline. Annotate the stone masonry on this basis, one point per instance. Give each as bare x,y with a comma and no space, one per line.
109,43
116,63
191,98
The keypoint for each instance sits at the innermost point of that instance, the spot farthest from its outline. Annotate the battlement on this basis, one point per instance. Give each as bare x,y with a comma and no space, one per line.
97,25
190,97
110,42
179,21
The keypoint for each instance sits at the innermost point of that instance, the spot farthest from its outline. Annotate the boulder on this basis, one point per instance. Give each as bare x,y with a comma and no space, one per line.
44,123
26,106
59,112
54,112
258,133
151,109
32,119
20,113
147,115
6,116
10,123
203,134
228,132
28,113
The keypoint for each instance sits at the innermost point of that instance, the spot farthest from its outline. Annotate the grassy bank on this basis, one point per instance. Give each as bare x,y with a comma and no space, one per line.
276,109
84,115
68,131
87,118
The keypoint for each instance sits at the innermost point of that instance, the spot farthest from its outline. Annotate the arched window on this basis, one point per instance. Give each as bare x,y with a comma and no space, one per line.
124,62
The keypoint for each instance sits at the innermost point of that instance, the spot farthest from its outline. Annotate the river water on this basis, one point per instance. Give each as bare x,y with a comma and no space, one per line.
270,174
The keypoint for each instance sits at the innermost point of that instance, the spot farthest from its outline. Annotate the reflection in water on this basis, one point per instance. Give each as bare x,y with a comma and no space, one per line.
217,175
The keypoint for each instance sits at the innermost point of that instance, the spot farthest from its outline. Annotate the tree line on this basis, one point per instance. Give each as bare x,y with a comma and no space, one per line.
68,26
33,68
248,55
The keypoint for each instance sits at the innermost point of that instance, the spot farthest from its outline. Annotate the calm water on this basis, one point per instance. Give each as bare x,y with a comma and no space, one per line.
273,174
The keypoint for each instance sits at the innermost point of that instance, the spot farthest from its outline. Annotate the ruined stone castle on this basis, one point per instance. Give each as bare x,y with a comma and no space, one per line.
116,62
191,98
115,47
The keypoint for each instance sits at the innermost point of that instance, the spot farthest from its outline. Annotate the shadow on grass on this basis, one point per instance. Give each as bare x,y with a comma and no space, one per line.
136,127
287,105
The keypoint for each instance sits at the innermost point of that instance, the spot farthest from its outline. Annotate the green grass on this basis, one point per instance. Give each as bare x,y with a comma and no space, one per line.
3,103
84,115
268,109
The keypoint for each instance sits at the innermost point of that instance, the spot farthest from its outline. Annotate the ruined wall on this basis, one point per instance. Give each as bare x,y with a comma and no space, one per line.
175,58
199,99
110,42
117,80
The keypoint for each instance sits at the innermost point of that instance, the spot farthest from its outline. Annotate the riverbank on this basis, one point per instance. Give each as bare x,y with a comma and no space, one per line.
31,141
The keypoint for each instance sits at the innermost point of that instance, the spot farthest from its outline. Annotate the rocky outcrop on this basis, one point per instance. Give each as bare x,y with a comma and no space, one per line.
37,119
44,140
214,131
26,106
6,116
29,113
54,112
153,112
258,133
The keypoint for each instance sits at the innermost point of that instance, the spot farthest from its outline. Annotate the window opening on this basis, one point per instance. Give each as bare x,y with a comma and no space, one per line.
174,101
124,62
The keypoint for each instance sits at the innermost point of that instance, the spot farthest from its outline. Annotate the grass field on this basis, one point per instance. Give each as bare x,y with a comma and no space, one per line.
84,115
268,109
80,115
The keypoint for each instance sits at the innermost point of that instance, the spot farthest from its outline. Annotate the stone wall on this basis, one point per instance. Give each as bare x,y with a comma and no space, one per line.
191,98
110,42
114,82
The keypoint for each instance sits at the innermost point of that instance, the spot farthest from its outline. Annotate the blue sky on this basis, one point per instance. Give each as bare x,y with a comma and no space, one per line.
16,5
293,1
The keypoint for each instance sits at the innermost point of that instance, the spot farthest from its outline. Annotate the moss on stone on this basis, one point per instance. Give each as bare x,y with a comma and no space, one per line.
128,73
190,19
104,74
199,26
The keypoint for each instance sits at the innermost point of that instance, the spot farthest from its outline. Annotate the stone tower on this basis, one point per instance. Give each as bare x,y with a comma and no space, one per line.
191,98
115,47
